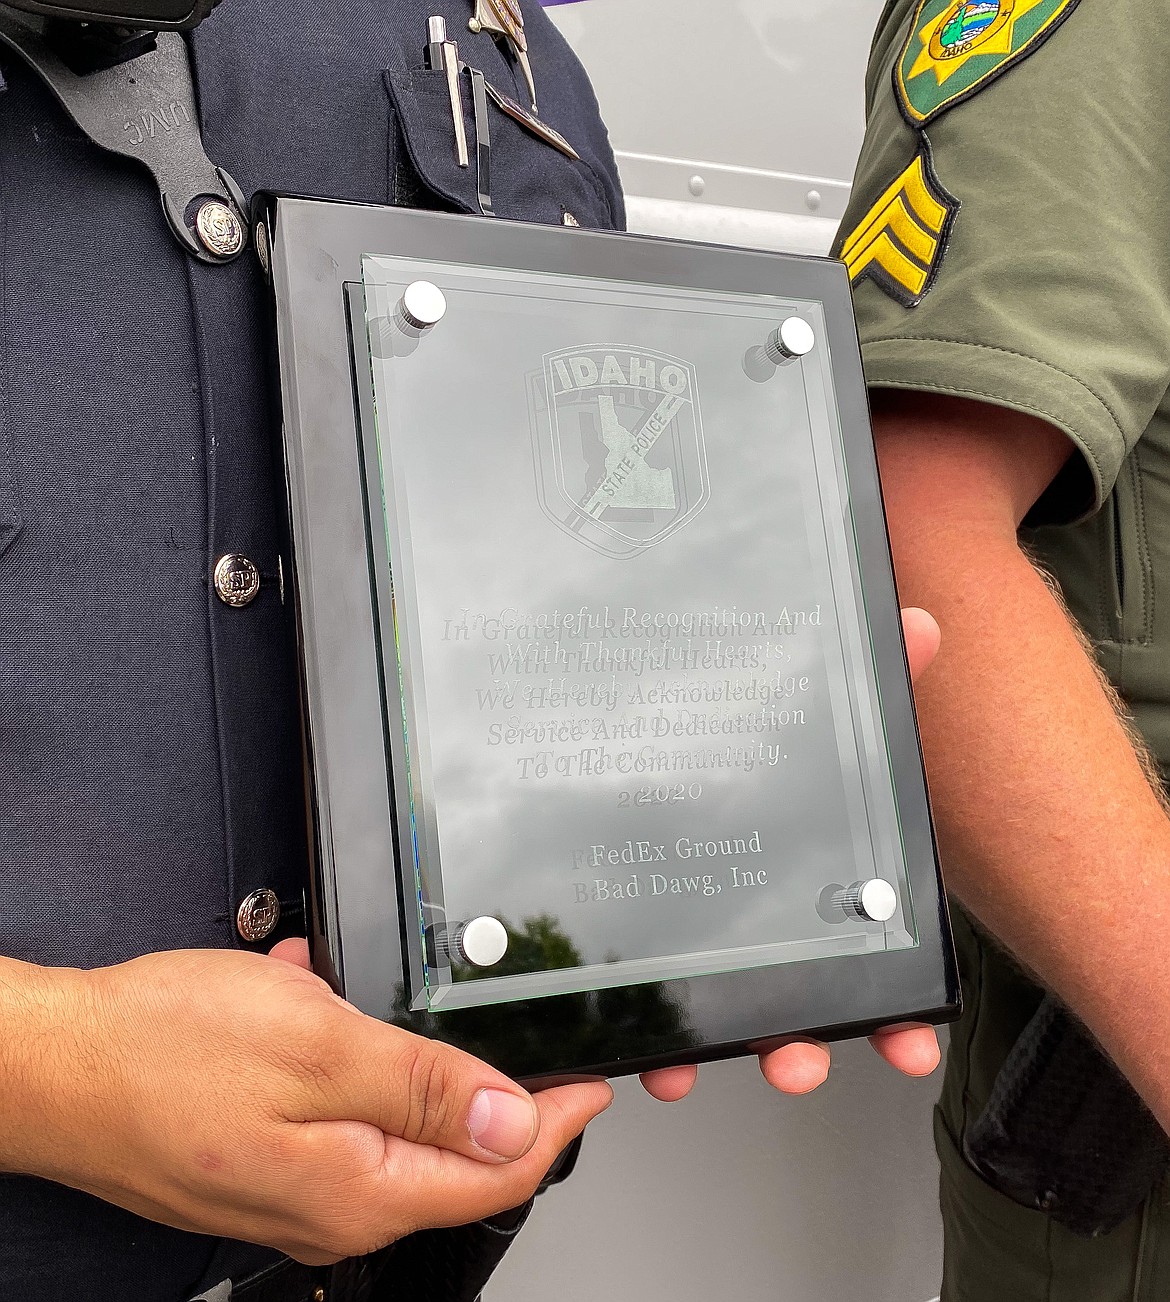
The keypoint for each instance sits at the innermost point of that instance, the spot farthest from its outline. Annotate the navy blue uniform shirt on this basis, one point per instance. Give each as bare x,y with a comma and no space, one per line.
150,773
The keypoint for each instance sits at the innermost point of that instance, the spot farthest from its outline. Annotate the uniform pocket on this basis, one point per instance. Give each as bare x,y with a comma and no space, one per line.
997,1251
994,1248
531,180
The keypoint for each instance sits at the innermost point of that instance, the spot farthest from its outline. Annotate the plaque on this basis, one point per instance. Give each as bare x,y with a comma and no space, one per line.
610,747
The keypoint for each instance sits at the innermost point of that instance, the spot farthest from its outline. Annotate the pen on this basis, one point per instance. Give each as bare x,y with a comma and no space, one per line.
443,55
436,35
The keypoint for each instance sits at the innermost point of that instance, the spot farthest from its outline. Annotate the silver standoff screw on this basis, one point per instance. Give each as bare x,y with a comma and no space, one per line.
792,339
422,306
482,942
872,901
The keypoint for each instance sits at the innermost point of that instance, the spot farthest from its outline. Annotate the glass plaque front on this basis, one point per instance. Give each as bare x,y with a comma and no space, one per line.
631,705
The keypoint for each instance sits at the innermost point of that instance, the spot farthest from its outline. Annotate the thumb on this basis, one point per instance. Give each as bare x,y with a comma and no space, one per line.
427,1092
294,951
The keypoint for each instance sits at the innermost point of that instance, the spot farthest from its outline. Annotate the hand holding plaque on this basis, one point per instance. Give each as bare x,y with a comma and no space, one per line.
802,1065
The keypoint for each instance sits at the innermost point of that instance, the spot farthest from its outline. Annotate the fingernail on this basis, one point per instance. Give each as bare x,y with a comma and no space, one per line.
502,1124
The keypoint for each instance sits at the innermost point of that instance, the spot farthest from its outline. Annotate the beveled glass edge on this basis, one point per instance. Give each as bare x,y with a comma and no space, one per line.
405,867
859,713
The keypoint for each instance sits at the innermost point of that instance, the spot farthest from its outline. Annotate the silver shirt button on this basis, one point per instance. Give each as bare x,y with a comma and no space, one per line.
219,229
237,580
258,916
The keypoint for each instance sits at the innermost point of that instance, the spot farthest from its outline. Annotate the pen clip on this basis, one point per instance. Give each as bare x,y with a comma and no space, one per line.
483,139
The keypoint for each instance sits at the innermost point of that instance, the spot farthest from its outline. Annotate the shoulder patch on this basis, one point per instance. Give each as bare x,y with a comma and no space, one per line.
901,242
957,47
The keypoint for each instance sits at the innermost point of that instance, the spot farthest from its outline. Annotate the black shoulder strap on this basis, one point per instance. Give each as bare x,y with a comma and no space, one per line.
145,109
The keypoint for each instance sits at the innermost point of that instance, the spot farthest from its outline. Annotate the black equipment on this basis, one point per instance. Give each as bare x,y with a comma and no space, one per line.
105,33
146,112
153,15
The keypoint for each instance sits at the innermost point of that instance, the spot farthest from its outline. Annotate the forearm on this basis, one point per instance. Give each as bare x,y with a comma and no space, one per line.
38,1062
1050,831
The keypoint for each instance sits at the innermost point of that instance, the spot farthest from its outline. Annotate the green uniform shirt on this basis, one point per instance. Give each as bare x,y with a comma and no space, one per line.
1039,253
1009,241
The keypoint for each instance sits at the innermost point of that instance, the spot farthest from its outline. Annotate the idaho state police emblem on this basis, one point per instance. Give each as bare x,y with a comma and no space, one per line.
957,47
618,446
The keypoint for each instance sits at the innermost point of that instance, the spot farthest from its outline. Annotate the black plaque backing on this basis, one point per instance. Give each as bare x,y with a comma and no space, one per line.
599,642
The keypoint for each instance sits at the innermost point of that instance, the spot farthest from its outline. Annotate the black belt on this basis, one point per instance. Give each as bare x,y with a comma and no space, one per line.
441,1265
287,1282
351,1281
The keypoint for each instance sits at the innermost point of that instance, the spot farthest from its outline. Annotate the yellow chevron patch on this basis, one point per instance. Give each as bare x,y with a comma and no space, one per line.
900,243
